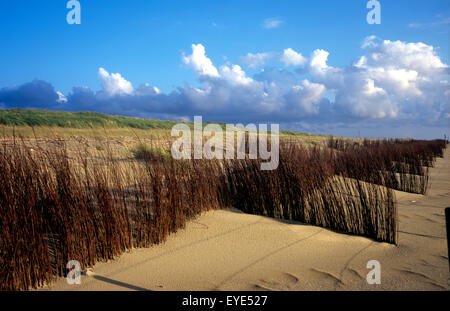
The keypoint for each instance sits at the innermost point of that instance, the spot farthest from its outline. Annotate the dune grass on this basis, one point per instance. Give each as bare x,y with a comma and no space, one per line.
85,119
143,151
45,123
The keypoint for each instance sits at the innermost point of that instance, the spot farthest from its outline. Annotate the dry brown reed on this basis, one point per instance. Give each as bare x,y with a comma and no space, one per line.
398,164
305,188
57,206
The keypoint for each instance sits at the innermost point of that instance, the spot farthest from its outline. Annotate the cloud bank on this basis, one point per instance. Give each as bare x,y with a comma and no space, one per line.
392,82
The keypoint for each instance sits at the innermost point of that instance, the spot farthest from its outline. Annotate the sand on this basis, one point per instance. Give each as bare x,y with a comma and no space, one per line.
230,250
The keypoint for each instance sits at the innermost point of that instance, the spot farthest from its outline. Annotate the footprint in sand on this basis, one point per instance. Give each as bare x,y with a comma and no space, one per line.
284,282
356,273
441,257
329,276
424,277
439,215
427,264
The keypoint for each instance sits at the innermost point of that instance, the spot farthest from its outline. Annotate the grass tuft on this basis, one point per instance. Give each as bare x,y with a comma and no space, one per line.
143,151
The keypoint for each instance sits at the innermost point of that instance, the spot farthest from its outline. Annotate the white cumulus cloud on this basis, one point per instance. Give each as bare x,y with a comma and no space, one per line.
292,58
255,60
235,75
198,61
390,83
114,83
61,98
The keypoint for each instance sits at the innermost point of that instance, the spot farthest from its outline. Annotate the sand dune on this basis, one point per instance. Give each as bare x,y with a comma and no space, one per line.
229,250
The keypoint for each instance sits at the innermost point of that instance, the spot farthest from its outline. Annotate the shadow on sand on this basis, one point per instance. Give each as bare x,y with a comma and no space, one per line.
118,283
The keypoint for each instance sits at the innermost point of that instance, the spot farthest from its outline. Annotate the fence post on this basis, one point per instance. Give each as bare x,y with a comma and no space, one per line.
447,221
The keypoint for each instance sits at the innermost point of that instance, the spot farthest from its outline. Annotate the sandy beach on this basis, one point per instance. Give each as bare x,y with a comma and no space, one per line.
230,250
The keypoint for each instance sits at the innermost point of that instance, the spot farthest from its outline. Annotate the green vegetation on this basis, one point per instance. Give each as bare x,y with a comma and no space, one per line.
143,151
93,120
34,117
301,134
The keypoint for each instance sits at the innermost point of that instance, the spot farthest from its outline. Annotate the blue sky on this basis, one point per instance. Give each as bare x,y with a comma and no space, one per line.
145,41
